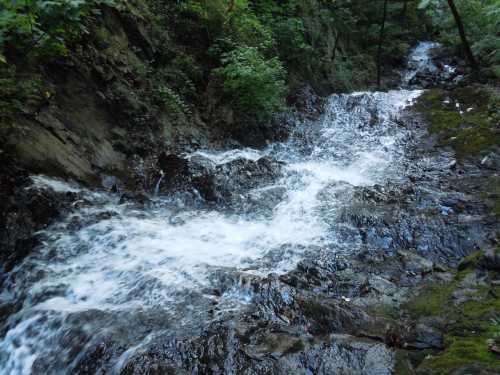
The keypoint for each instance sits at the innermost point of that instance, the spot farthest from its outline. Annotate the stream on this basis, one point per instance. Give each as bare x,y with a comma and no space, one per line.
121,272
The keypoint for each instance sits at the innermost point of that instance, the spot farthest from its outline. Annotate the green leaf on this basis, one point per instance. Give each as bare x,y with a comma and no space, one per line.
424,4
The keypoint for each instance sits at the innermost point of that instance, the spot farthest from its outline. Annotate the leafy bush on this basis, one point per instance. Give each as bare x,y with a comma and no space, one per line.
291,35
172,102
181,74
17,92
43,27
253,82
482,22
215,15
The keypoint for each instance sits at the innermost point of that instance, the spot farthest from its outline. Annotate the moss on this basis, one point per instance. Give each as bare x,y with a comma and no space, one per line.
469,326
384,311
469,132
470,261
462,351
433,300
402,365
316,311
492,194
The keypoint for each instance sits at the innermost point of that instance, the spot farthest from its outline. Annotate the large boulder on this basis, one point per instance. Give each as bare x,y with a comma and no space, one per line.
222,183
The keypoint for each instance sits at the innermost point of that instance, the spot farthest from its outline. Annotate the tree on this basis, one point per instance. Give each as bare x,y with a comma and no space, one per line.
461,30
380,41
460,26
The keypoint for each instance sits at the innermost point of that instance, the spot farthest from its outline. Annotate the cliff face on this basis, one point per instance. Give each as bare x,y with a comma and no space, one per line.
142,79
91,117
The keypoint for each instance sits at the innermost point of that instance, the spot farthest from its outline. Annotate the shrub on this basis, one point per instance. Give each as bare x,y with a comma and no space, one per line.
43,27
17,92
253,82
172,101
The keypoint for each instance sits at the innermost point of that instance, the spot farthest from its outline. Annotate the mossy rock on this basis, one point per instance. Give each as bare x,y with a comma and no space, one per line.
471,261
492,194
469,327
464,118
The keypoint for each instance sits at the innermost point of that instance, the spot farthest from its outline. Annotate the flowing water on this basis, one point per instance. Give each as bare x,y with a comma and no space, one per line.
127,273
420,60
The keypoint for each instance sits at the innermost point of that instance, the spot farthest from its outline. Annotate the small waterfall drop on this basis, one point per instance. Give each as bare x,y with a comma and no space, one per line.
158,184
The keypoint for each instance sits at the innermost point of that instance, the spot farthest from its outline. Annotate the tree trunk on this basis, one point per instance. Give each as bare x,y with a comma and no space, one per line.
335,46
405,10
380,41
461,30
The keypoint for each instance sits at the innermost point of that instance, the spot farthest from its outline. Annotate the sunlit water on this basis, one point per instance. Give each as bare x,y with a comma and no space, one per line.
127,272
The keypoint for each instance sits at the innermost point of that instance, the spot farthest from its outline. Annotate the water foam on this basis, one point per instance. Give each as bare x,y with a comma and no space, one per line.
121,259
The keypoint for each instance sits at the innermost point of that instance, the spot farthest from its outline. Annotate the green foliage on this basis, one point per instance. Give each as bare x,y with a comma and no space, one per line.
43,27
482,22
251,81
17,92
330,45
172,101
181,74
257,50
215,15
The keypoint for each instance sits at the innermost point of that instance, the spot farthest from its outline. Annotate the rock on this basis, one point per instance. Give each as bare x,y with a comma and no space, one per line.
134,197
307,102
426,338
241,175
472,369
225,183
381,285
416,263
173,167
24,210
491,259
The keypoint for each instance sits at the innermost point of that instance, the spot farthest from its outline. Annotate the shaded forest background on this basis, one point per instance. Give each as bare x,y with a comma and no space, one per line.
249,55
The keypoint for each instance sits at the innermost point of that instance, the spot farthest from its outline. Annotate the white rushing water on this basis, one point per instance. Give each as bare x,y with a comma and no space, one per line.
109,264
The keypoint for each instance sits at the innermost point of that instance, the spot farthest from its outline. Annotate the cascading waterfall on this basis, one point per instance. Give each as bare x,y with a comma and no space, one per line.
420,60
127,272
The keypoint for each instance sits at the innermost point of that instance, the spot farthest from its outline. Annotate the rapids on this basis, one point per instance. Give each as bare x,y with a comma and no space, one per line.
130,272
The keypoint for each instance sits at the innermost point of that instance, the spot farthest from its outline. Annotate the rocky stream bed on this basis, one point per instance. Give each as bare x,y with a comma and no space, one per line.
361,244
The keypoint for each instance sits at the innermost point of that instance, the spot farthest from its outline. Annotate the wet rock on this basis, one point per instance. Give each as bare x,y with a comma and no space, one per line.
398,217
426,337
134,197
262,200
24,210
416,263
491,161
235,177
224,183
277,353
173,167
472,369
491,259
307,103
